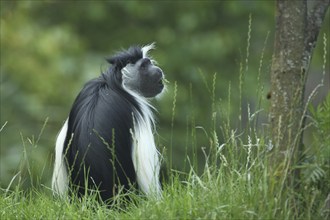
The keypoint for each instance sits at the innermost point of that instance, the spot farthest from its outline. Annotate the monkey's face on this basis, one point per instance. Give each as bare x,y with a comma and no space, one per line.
144,78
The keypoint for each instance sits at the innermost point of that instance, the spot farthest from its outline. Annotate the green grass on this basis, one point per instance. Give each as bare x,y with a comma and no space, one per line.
235,190
236,183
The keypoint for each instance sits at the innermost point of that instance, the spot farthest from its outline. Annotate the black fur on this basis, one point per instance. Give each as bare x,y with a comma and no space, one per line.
98,143
125,57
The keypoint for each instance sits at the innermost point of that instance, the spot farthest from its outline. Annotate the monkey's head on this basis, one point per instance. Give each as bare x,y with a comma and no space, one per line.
139,72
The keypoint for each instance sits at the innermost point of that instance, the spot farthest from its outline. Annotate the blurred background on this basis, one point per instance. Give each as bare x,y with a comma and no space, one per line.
209,51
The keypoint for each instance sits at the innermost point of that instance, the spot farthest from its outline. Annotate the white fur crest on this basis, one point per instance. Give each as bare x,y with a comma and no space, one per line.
147,48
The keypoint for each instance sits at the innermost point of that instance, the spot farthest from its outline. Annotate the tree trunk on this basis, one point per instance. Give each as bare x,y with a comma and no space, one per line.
296,33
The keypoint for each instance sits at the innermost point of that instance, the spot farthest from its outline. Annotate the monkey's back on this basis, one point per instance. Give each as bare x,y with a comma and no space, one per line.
98,143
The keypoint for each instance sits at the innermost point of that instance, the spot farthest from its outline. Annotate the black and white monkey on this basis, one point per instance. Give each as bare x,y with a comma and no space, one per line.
107,141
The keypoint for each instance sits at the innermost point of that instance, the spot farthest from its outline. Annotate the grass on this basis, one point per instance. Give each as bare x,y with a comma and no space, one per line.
236,182
241,188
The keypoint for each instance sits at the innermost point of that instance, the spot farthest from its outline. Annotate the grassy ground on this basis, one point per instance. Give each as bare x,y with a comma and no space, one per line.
237,183
235,195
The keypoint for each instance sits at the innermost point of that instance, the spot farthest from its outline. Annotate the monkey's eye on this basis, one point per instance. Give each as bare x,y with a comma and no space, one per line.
145,62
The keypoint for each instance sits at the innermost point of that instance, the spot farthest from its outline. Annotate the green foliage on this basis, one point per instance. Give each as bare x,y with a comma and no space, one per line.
49,49
212,120
317,161
321,116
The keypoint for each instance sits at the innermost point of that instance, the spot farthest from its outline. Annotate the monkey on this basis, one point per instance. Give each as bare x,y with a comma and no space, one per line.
107,141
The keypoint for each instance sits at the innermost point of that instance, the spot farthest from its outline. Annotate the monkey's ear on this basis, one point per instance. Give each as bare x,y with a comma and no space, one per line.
121,59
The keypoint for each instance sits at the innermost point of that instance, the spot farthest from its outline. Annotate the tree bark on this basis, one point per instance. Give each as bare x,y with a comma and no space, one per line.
296,33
